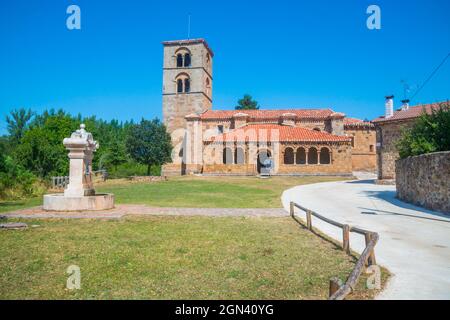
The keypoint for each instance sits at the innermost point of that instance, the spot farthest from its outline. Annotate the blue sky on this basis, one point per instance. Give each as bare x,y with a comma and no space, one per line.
303,54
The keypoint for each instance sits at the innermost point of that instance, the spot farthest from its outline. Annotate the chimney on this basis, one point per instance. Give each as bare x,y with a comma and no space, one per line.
389,105
405,104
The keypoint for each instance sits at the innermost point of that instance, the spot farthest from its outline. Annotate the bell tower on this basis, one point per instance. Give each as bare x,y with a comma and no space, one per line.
187,90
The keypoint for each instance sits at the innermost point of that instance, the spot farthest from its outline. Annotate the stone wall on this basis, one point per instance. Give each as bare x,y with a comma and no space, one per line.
387,136
425,180
363,153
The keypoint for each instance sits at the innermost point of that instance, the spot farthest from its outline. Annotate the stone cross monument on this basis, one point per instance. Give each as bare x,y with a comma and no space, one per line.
79,193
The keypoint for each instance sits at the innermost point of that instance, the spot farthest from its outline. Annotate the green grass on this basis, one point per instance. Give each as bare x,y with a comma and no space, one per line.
6,206
169,258
195,192
209,192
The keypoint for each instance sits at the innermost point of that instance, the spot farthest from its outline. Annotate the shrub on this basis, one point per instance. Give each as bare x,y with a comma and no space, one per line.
132,168
429,133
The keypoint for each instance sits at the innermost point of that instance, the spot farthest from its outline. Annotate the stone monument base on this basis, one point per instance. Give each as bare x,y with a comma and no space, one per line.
58,202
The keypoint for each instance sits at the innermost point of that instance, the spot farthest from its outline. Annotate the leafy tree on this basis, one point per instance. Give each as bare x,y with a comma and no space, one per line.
17,123
41,149
246,103
149,143
429,133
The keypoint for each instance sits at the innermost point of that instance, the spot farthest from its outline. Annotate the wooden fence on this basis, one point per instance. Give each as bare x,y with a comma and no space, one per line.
367,257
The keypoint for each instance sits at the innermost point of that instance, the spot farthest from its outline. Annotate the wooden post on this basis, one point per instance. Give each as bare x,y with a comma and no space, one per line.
371,260
335,284
308,220
291,209
346,238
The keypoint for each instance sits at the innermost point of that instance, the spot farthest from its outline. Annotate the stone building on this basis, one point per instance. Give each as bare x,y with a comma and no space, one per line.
249,142
389,129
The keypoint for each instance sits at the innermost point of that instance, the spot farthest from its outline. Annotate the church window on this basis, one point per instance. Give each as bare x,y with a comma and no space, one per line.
187,60
187,85
312,156
289,156
179,60
220,129
300,156
325,156
371,148
227,156
239,156
316,129
180,85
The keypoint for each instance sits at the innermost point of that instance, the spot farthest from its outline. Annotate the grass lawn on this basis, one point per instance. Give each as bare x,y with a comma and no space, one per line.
170,258
208,192
195,192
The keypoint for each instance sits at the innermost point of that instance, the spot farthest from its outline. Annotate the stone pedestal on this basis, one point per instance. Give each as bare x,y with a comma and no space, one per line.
79,193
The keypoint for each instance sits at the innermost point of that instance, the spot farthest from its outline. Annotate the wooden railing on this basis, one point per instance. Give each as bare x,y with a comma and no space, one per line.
63,181
367,257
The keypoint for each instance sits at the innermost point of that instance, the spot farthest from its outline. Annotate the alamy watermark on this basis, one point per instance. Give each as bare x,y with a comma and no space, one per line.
74,279
374,20
73,21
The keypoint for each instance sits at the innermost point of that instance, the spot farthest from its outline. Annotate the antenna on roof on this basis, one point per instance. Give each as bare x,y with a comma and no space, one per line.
189,27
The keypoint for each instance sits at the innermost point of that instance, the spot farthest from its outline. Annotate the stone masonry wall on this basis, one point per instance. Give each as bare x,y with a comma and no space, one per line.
387,136
363,153
425,180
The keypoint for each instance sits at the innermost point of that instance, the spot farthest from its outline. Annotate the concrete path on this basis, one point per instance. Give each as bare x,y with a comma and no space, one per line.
122,210
414,243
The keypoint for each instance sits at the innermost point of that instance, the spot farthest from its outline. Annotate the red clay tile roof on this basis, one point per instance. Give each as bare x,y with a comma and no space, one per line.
187,42
271,114
412,112
275,132
354,122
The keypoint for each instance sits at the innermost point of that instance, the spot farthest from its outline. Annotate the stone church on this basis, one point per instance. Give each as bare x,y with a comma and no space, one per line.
251,142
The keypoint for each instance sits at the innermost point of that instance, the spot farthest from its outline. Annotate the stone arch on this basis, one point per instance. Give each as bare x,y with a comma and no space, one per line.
227,156
325,156
300,156
183,82
317,129
288,155
239,156
312,156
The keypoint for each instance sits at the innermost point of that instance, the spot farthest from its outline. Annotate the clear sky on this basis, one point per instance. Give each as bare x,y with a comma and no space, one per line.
287,54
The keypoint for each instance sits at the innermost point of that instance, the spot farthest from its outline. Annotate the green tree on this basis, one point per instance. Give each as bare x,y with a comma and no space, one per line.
41,149
149,143
17,122
247,103
429,133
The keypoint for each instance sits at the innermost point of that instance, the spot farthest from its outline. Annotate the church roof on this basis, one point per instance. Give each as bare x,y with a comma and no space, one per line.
188,42
411,113
275,132
354,122
320,114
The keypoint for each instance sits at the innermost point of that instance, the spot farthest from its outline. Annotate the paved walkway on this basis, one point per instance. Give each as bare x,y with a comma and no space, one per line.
122,210
414,243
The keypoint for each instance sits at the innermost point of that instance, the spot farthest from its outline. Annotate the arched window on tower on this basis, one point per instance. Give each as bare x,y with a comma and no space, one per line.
179,60
300,156
312,156
325,157
289,156
187,85
208,87
187,60
180,85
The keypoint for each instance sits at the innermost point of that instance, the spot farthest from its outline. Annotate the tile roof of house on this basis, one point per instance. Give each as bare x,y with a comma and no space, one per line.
354,122
412,112
272,114
187,42
275,132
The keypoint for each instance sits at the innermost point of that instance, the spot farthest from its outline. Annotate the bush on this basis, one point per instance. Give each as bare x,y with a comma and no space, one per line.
16,182
429,133
132,168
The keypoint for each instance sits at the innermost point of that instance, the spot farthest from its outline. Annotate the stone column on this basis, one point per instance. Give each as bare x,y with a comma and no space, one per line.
81,146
